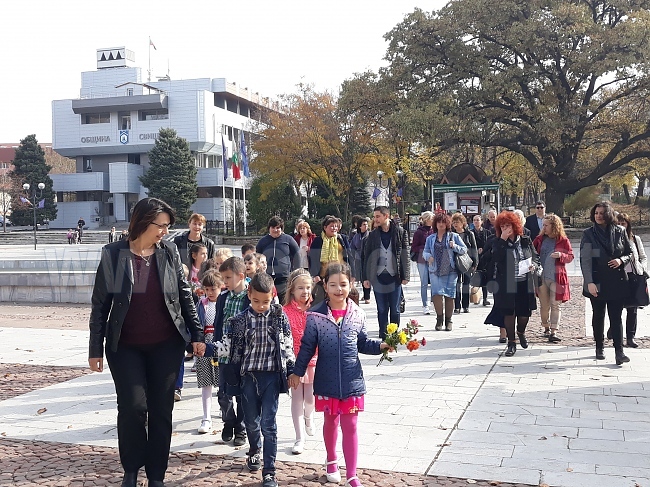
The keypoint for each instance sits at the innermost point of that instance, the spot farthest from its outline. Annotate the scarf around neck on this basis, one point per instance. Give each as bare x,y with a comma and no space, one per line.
330,250
605,237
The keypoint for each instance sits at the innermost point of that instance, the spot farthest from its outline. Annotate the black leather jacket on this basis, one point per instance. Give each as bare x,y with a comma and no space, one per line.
112,295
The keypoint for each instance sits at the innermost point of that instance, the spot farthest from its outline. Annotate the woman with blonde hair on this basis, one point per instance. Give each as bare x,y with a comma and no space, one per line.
554,249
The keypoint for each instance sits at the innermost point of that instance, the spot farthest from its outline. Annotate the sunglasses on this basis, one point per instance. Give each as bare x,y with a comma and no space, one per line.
540,207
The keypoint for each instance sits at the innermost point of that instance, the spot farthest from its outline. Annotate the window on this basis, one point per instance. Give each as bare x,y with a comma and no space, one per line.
125,120
103,117
67,197
161,114
134,159
88,164
129,92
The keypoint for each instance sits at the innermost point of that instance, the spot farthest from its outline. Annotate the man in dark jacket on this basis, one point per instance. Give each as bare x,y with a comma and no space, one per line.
281,251
193,236
534,222
386,266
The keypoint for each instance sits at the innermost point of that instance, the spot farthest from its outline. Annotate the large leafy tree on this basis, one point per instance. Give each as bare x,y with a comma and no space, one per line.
30,167
279,198
314,143
172,174
541,78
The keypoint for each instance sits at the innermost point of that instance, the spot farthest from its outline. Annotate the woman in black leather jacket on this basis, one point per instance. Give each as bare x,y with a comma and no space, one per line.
604,252
142,309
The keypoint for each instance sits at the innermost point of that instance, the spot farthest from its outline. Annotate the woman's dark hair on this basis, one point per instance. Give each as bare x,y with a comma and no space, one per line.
328,220
441,217
624,217
276,221
334,268
195,249
608,216
360,221
145,212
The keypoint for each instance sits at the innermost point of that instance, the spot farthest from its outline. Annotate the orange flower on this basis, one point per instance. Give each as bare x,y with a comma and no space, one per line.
413,345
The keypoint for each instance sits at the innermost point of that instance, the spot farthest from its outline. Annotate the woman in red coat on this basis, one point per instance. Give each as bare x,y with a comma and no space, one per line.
555,252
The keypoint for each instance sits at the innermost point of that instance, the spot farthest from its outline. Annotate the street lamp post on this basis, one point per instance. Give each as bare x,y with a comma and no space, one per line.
401,177
33,197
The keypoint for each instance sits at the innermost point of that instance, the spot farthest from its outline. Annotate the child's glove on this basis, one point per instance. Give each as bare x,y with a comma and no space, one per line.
209,350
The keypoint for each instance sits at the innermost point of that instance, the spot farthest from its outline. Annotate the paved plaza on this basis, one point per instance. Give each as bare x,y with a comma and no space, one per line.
454,412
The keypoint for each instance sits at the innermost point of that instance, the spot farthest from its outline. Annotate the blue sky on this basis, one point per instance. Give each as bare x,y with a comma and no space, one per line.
268,46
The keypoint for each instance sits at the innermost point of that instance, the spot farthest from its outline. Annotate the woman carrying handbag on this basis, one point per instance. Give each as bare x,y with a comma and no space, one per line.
604,252
637,268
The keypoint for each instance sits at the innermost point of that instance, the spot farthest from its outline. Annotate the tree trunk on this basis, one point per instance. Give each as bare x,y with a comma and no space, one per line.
626,191
555,199
640,189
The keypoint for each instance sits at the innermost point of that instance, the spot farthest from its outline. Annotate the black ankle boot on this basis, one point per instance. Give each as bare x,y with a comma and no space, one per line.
631,343
130,479
439,321
522,340
512,349
621,358
447,324
600,351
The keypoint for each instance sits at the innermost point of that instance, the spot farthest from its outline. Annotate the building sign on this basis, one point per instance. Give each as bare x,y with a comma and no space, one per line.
124,136
95,139
153,136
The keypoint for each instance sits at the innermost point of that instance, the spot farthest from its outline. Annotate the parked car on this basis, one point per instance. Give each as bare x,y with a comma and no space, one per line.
2,222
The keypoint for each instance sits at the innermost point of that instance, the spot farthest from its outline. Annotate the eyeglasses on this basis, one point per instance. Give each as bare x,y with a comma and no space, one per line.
540,207
163,226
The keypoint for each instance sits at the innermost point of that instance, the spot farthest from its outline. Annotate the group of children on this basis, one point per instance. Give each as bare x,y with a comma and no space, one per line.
257,349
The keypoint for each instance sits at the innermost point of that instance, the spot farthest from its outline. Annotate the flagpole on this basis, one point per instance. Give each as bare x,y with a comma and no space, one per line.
243,179
149,70
223,182
234,192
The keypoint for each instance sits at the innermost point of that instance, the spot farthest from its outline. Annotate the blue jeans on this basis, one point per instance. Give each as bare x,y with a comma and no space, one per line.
387,302
260,392
231,415
423,270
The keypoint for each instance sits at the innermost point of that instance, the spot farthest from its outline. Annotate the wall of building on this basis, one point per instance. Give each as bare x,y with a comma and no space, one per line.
68,214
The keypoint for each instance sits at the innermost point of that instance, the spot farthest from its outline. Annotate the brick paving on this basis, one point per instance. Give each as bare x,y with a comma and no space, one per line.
17,379
58,464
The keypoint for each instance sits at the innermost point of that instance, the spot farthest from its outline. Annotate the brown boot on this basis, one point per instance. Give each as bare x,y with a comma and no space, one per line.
447,324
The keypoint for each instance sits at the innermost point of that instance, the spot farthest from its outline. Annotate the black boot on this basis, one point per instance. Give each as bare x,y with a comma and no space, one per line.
631,343
156,483
439,320
522,340
600,351
621,358
447,324
130,479
512,349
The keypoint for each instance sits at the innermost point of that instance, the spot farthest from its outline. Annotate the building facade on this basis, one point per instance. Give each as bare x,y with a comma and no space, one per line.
112,126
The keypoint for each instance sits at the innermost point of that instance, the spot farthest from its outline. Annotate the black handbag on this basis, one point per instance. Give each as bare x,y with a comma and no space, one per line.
638,296
463,263
414,256
479,278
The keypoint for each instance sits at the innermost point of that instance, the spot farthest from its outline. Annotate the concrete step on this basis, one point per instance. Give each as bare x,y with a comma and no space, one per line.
50,237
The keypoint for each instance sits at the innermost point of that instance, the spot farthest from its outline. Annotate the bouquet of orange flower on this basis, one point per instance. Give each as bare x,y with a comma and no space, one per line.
405,336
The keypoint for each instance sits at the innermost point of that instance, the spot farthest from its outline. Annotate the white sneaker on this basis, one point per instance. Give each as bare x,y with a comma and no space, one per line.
309,428
426,310
206,426
298,447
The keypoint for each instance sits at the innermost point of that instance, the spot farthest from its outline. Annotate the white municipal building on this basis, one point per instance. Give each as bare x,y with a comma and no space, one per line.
111,127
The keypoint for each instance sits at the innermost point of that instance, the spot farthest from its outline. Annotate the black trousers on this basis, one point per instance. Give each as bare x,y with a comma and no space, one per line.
462,291
615,314
145,378
630,322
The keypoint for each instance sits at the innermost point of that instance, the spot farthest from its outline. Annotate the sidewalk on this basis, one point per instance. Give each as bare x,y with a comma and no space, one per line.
451,411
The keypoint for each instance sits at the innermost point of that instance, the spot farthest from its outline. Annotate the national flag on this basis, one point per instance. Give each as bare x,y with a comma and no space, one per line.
152,44
376,193
244,156
25,200
224,158
236,173
41,204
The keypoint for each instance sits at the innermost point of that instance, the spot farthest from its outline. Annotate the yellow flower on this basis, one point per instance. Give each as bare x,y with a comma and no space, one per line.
402,337
391,328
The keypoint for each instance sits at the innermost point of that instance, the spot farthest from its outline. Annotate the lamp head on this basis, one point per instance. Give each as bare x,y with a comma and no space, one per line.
399,173
41,186
380,174
26,186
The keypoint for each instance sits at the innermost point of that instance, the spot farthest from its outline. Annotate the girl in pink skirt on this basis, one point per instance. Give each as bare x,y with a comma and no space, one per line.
337,327
297,301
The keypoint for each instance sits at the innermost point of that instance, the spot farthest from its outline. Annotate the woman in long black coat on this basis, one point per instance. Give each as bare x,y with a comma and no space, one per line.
512,274
604,252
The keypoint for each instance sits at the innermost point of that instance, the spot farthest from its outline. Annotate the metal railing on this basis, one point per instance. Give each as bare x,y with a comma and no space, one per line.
219,227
